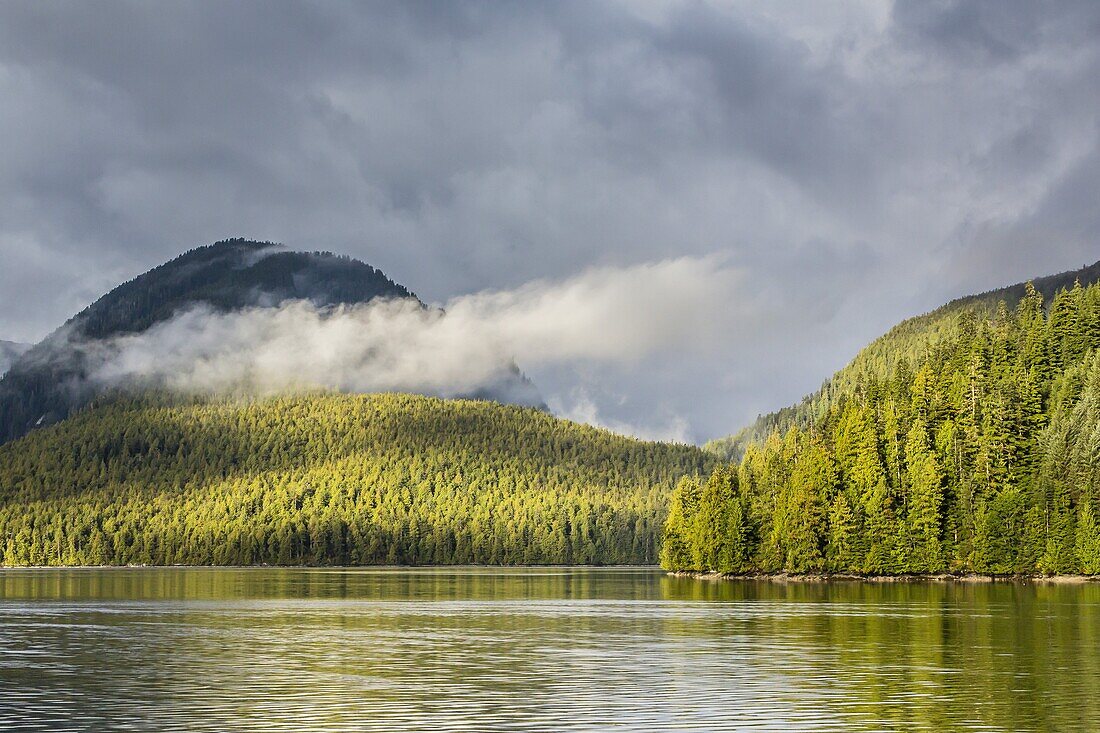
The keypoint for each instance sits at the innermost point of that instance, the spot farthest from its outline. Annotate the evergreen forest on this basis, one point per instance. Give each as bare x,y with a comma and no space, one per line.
969,443
331,479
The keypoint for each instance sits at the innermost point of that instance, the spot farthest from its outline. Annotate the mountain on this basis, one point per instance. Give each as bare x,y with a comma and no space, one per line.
46,384
9,352
332,479
966,440
897,348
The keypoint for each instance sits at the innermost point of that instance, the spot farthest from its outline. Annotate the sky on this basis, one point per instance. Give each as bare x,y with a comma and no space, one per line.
817,171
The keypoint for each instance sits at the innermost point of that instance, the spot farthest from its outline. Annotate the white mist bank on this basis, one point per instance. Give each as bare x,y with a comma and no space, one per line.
601,316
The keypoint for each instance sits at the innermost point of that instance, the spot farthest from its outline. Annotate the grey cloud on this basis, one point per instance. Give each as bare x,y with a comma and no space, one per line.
973,31
995,31
858,163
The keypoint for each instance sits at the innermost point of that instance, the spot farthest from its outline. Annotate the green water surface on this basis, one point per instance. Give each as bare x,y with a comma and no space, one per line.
542,649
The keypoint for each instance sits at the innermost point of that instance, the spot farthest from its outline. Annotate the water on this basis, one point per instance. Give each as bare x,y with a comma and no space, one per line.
545,649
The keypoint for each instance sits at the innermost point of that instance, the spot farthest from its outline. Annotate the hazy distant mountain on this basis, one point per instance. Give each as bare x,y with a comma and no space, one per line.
46,383
884,354
9,352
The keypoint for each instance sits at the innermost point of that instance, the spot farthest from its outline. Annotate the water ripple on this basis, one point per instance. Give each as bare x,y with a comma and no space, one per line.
538,650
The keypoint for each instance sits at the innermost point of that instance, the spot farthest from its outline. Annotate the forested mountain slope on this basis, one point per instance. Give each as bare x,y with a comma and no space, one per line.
897,349
970,444
9,352
332,479
47,383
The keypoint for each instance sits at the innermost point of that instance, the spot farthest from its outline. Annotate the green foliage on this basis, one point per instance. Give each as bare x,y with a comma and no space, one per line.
965,441
707,526
924,501
1088,540
332,479
676,549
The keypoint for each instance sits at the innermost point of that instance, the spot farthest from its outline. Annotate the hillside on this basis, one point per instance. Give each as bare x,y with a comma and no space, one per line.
46,384
898,348
332,479
965,441
9,352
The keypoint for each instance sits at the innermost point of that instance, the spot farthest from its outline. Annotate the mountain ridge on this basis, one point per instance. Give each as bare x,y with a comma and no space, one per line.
915,334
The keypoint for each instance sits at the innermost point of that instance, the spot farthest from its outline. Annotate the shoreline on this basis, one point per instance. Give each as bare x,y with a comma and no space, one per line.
905,578
330,567
779,577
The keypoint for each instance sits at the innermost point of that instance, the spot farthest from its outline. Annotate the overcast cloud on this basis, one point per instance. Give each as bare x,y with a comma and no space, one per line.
855,163
602,317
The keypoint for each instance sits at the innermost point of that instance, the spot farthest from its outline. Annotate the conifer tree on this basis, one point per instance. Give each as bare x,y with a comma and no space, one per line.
843,548
677,547
924,505
805,527
1088,540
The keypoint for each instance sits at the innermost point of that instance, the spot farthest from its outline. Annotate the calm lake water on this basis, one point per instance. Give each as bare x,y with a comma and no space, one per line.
544,649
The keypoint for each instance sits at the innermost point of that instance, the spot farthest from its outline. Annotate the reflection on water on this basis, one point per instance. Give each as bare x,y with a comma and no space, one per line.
542,649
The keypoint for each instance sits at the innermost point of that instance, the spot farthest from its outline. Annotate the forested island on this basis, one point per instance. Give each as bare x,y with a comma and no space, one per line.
964,442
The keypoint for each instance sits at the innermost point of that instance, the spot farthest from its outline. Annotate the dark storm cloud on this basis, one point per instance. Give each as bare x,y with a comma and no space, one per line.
857,163
995,31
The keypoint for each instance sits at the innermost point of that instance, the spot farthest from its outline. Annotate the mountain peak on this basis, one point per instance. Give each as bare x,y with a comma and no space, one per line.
49,381
232,274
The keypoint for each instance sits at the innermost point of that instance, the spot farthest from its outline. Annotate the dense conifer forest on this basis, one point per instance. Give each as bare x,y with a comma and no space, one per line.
332,479
965,442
